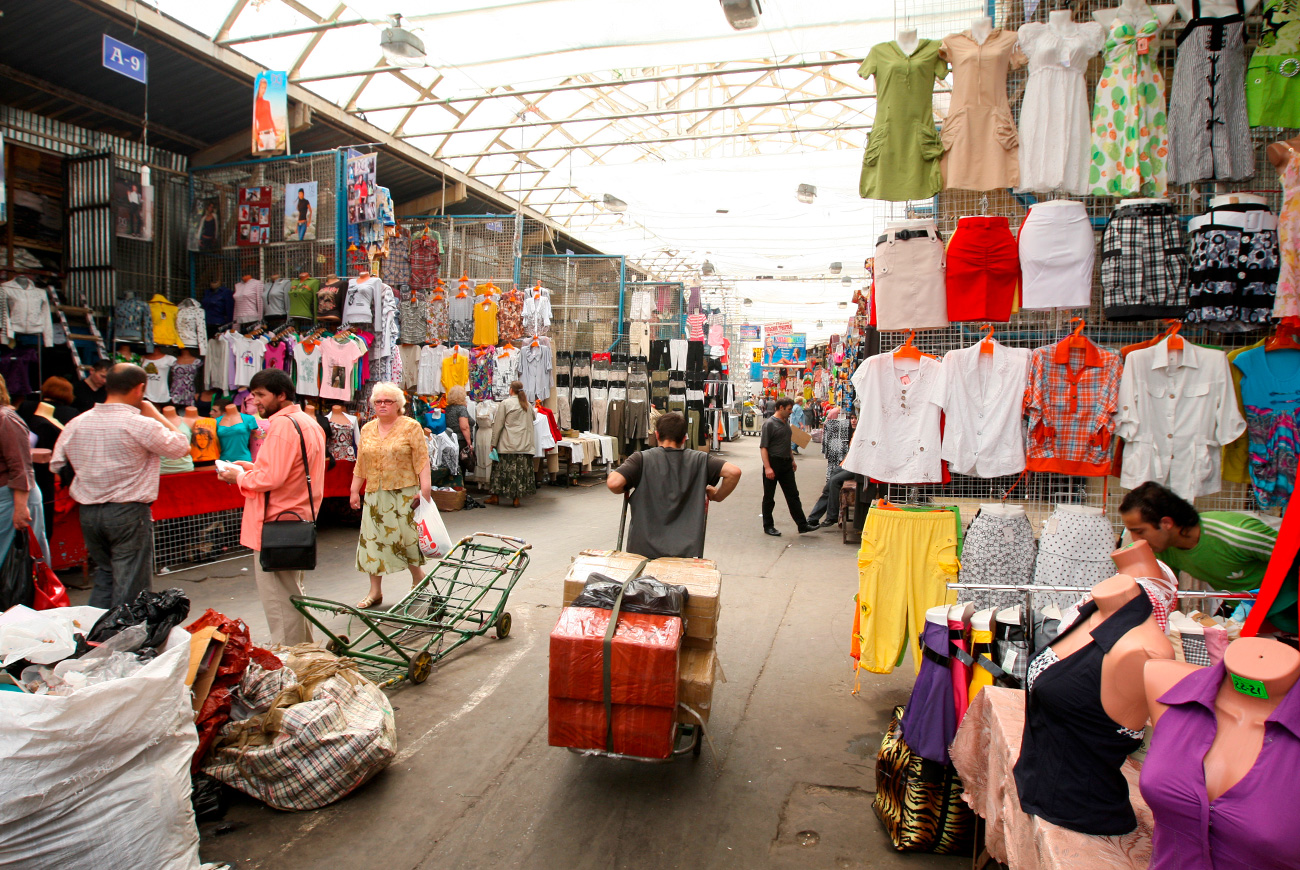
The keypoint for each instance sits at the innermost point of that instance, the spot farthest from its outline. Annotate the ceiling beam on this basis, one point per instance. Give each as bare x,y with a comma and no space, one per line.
314,41
235,9
223,41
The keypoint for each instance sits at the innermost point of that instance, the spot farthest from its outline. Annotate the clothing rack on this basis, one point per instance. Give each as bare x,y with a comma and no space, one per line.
1029,589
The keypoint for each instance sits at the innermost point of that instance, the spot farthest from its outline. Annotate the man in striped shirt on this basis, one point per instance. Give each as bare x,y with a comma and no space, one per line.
1228,550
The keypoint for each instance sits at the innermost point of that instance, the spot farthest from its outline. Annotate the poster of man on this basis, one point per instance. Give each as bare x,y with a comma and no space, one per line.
300,211
363,189
132,207
270,114
205,225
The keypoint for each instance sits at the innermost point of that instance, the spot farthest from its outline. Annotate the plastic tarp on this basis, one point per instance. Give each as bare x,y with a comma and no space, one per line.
101,777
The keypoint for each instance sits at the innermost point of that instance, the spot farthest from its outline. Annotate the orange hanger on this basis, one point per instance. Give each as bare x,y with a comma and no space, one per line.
1175,340
457,351
987,343
536,341
1285,338
1078,339
464,287
537,291
909,350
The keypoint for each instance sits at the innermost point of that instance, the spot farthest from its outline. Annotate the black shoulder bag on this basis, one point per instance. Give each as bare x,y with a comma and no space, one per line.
290,545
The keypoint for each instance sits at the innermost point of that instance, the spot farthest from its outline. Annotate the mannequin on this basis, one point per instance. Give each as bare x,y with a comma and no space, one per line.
909,224
170,413
1237,199
230,416
191,414
998,509
343,435
1135,12
1225,785
185,357
1213,8
337,415
1278,153
46,410
908,41
980,28
1061,22
204,446
1137,560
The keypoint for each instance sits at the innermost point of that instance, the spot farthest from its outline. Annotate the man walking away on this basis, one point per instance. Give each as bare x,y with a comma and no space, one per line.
671,488
114,450
89,391
779,467
281,472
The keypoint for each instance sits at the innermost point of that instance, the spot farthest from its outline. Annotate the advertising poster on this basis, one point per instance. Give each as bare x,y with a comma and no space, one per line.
205,224
300,211
132,207
363,189
270,114
749,332
254,218
785,349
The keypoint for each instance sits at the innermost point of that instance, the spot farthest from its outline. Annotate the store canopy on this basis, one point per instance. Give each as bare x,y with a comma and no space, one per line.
534,96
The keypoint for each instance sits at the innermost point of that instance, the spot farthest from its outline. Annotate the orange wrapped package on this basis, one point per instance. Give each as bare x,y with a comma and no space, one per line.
643,732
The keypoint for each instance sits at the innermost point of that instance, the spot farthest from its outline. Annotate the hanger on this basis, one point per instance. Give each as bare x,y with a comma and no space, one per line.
464,287
537,291
456,350
536,342
1175,340
1078,339
909,350
987,343
1285,338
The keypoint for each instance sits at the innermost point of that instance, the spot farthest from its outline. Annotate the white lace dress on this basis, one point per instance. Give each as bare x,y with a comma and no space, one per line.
1055,117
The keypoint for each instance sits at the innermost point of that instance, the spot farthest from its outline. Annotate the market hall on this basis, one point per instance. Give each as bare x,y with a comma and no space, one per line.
387,399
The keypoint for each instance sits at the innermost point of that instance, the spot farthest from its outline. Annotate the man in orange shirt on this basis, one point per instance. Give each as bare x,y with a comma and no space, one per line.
280,471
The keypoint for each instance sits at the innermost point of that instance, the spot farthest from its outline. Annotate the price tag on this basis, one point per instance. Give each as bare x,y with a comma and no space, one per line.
905,379
1049,528
1253,688
1143,44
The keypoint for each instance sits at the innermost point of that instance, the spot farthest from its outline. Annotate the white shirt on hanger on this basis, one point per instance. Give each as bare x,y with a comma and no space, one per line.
1174,416
897,439
983,398
29,310
428,380
307,369
248,354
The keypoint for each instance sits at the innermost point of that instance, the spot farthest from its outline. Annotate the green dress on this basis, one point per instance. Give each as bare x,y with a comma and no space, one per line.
902,158
1273,77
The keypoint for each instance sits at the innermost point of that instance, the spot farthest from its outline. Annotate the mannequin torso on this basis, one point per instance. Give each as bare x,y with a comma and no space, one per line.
1280,153
980,28
1135,12
1213,8
908,41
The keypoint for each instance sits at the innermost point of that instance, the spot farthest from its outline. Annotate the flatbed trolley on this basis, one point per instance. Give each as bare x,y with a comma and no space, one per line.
462,596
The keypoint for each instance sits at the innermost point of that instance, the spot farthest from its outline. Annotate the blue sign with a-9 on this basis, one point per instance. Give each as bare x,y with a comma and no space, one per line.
122,58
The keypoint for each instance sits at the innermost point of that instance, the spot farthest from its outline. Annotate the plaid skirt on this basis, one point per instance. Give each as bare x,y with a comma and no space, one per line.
389,540
1144,263
512,476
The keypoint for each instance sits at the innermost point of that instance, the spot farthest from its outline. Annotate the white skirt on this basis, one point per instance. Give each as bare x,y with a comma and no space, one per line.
1057,251
911,292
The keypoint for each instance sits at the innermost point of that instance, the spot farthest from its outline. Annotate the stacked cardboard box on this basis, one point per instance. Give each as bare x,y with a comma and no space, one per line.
703,582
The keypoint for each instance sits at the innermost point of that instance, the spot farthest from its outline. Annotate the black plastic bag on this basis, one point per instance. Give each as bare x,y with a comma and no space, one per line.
208,795
159,611
16,583
643,595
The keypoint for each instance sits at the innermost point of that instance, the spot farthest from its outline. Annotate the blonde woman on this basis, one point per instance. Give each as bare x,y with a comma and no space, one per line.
512,439
392,468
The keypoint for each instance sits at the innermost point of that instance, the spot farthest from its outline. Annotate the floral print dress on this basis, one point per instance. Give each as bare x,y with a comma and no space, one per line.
1288,229
1130,140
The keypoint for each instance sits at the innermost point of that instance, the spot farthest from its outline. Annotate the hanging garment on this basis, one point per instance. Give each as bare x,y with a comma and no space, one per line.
1176,412
302,297
460,311
249,300
277,298
1069,767
1270,392
218,307
903,149
413,316
930,720
204,446
980,145
1070,407
1057,251
1055,127
1130,143
1273,77
999,550
1209,132
306,366
1233,268
158,388
897,439
982,434
455,369
1288,228
1073,550
905,562
960,672
163,314
982,270
510,317
981,650
485,322
910,288
184,384
132,319
191,329
1011,647
1144,263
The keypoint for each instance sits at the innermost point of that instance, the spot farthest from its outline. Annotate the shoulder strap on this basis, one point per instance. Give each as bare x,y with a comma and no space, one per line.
1196,8
306,467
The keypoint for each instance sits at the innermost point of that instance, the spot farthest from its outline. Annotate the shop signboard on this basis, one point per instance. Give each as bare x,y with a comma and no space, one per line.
270,113
782,328
749,332
785,350
126,60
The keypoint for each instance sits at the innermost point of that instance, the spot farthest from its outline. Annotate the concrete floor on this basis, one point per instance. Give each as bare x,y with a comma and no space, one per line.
476,785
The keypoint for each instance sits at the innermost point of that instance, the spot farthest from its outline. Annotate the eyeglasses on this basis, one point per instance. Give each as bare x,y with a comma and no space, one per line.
384,401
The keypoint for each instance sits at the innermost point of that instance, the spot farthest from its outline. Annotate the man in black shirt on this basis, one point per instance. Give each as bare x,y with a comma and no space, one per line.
779,467
89,391
670,490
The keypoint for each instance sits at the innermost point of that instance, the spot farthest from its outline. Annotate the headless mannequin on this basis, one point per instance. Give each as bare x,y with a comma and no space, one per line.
1278,153
1213,8
1135,12
185,357
997,509
191,415
230,416
1240,717
46,410
157,354
170,413
337,416
1137,560
908,42
1061,23
1237,198
1122,694
981,28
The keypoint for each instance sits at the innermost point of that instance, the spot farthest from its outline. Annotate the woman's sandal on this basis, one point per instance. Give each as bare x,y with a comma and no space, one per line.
492,499
369,603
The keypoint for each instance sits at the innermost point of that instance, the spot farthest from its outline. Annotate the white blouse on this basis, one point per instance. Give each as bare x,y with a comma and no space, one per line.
897,439
983,397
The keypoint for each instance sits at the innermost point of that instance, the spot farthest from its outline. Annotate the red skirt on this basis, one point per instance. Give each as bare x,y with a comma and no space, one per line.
983,270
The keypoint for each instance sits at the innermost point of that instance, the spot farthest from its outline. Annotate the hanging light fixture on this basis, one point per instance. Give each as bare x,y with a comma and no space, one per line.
806,193
742,14
846,281
707,268
400,46
614,204
837,267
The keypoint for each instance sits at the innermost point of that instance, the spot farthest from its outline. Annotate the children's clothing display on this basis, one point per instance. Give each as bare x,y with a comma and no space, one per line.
158,388
1055,123
911,292
1233,267
1273,77
982,270
983,435
1057,252
1209,132
1144,263
897,439
1130,142
1070,407
980,144
235,438
903,149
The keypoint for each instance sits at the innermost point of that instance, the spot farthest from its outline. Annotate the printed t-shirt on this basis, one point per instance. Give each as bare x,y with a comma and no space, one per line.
247,355
157,390
1270,395
337,360
203,440
307,368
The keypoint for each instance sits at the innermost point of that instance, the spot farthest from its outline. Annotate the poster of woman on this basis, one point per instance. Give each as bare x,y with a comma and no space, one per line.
362,189
270,114
205,225
300,211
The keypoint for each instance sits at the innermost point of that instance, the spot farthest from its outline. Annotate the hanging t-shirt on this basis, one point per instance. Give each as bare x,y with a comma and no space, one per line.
695,327
429,378
247,358
185,463
485,323
235,439
203,440
158,390
455,370
307,368
276,356
1270,395
337,361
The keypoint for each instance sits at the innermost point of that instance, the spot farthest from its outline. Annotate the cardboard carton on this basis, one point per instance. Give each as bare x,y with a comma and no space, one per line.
695,681
701,577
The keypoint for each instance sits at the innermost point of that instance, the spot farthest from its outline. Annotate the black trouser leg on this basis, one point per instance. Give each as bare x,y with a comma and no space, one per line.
784,469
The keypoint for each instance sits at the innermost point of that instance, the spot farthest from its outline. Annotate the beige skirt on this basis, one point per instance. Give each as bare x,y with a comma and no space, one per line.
389,541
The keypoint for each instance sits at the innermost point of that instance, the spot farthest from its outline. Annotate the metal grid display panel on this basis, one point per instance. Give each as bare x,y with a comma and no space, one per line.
587,297
321,257
479,246
1039,492
205,538
160,265
668,320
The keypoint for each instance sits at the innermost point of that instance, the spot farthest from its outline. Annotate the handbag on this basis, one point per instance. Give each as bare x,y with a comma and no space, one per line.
290,544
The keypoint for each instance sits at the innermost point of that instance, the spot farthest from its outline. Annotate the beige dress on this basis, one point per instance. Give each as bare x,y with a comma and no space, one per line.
980,144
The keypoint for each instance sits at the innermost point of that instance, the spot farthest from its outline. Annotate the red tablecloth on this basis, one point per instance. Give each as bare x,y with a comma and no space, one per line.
179,495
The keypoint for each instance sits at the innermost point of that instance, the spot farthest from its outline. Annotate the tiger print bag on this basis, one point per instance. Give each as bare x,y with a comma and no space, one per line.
918,800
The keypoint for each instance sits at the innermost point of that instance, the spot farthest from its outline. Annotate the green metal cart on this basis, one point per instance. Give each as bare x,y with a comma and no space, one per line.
462,596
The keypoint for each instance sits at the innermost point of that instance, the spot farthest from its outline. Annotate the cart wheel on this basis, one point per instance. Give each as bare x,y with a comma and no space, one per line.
420,667
338,647
699,742
503,626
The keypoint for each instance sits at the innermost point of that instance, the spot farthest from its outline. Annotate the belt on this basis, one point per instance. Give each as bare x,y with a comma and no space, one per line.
1147,210
904,235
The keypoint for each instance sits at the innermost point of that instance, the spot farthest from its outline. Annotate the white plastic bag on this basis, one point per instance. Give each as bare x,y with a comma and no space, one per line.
435,543
101,777
43,636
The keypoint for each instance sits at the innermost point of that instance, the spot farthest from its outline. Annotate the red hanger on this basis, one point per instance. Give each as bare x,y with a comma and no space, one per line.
1285,338
909,350
987,343
1078,339
1175,340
